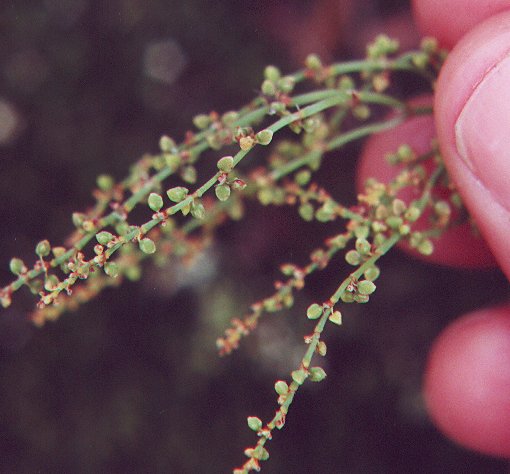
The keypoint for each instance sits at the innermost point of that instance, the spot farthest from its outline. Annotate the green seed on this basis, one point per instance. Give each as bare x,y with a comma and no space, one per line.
317,374
226,164
172,161
246,143
339,241
78,219
303,177
186,209
394,222
272,73
281,387
379,239
286,84
398,206
58,251
456,200
429,44
238,184
415,239
361,112
372,273
299,376
51,282
222,192
197,210
442,208
147,245
214,141
352,257
166,144
229,118
382,212
347,297
336,317
5,300
177,194
201,121
366,287
260,453
122,228
43,248
288,300
314,311
322,348
313,61
264,137
104,182
306,212
363,246
254,423
412,214
111,269
426,247
189,174
405,153
361,298
404,229
420,60
268,88
104,237
155,202
265,196
346,83
17,266
362,232
324,215
278,107
133,273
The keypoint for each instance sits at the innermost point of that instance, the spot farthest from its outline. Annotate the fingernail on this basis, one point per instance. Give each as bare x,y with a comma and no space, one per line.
482,131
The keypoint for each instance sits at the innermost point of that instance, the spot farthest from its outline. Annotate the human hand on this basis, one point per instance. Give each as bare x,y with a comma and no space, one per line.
467,380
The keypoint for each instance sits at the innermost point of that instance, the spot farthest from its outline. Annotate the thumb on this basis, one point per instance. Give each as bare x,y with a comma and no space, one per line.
472,113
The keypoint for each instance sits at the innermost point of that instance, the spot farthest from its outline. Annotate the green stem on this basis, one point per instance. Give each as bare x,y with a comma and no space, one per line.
319,328
364,131
320,100
336,143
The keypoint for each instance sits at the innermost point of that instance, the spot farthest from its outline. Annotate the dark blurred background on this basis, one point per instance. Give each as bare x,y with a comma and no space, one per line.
131,382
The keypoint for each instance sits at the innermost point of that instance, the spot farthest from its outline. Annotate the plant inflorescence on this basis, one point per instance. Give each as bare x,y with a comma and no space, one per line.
326,106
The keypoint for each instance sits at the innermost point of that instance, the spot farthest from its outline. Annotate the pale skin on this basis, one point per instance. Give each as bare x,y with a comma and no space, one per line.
467,380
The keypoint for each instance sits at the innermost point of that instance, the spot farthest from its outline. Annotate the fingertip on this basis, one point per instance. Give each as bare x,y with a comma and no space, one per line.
472,112
467,381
